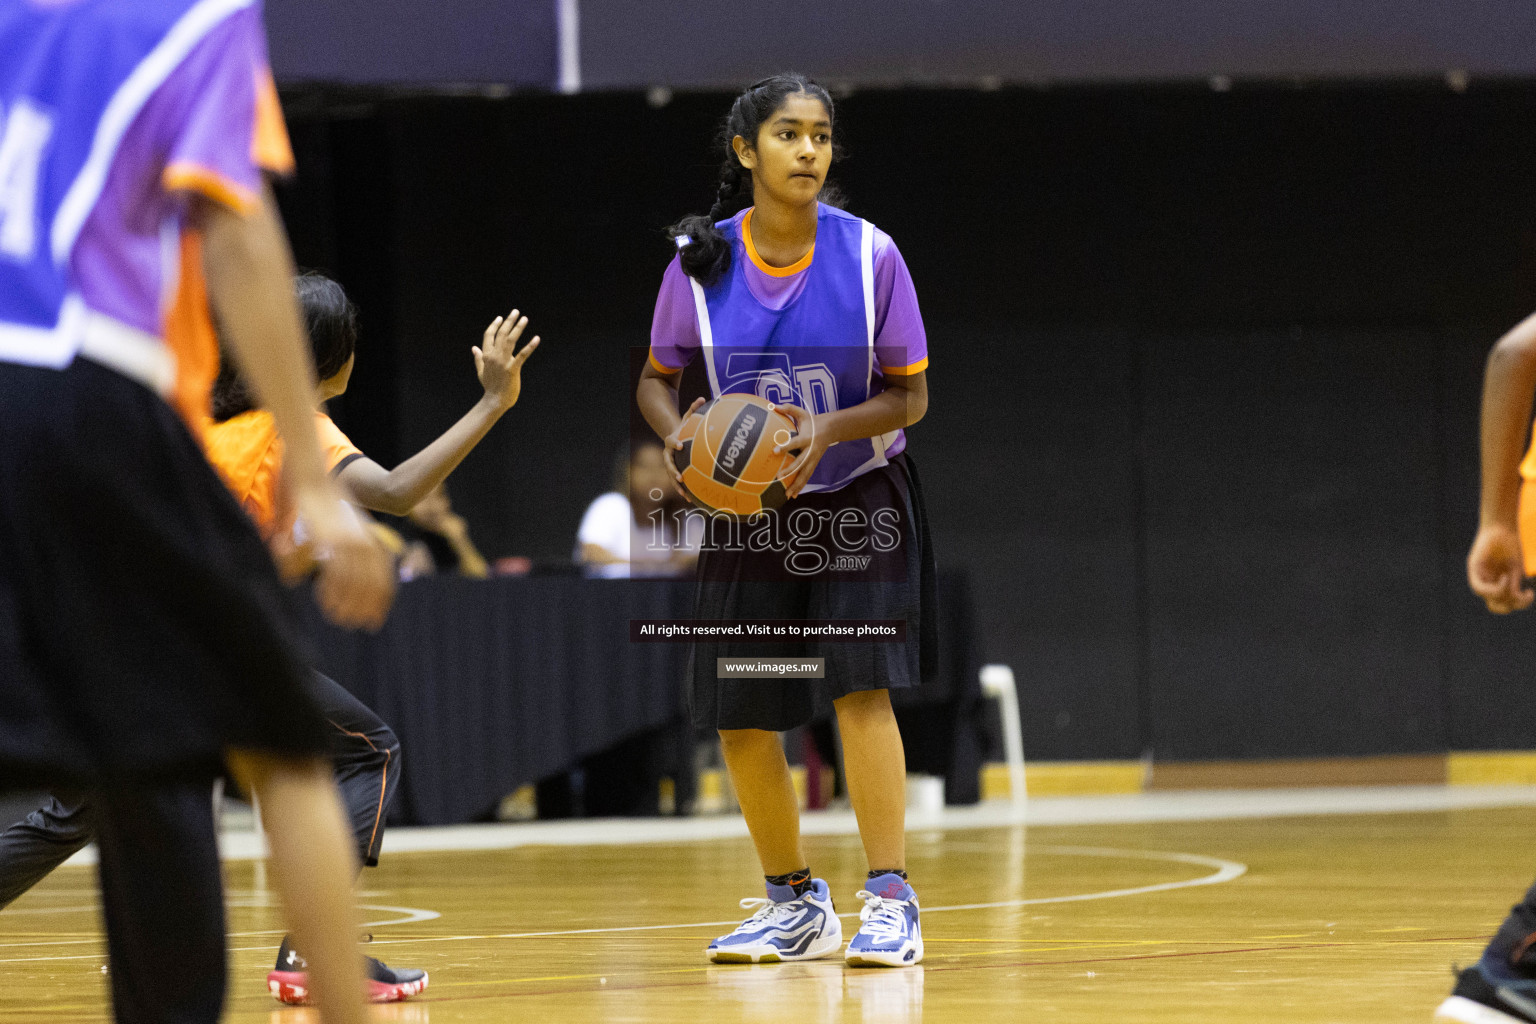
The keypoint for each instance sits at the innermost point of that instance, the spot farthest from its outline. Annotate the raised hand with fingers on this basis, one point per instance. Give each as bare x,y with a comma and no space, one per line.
498,361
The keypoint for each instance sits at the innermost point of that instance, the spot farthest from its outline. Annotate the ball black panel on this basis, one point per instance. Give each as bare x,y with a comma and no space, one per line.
774,495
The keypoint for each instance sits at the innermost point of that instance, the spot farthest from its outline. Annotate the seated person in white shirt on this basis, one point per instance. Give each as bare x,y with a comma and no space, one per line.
640,528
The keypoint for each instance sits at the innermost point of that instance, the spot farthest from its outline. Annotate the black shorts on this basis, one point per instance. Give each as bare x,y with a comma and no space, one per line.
143,629
898,581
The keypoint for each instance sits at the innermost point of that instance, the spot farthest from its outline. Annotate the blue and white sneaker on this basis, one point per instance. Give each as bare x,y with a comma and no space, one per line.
784,927
890,935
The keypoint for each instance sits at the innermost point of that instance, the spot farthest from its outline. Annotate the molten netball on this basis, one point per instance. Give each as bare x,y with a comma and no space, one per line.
728,462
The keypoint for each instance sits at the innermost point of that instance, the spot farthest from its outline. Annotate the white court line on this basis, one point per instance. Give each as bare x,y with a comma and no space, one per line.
1225,871
1139,808
413,915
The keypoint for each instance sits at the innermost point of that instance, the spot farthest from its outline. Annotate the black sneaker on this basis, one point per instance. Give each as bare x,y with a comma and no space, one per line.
1475,1000
289,980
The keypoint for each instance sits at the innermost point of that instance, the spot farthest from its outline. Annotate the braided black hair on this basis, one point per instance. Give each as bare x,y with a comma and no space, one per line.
707,254
330,320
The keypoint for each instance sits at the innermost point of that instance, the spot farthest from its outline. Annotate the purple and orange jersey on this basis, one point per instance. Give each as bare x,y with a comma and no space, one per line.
823,334
112,112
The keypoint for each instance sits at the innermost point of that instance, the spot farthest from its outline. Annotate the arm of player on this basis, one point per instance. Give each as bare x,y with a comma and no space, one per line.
500,367
656,396
437,515
1495,567
471,562
903,402
250,273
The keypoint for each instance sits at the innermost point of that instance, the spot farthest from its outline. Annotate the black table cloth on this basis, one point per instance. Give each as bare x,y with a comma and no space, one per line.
494,683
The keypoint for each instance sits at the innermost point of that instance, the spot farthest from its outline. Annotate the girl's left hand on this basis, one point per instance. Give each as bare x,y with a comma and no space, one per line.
670,444
810,442
498,361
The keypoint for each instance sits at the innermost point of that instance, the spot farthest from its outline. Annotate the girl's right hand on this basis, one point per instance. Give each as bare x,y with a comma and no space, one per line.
671,444
355,582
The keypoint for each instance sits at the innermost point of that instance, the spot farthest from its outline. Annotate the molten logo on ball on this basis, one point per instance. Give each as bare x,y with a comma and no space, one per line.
728,462
739,440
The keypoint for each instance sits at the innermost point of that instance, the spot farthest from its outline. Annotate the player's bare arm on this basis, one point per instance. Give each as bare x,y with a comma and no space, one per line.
1495,567
249,270
499,365
657,397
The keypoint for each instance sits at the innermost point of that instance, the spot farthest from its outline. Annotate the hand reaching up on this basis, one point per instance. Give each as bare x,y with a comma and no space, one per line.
498,366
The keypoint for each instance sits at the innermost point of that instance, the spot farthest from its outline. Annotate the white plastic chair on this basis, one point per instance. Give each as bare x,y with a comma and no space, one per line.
997,683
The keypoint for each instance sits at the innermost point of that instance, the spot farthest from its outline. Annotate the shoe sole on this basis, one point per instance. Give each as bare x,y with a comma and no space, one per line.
828,946
292,989
884,960
1470,1011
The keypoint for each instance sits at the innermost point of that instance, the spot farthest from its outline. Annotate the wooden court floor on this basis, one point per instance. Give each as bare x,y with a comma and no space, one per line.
1336,920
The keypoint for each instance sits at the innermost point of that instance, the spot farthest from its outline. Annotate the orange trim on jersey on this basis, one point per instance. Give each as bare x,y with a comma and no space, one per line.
271,149
789,271
905,371
188,333
187,177
662,367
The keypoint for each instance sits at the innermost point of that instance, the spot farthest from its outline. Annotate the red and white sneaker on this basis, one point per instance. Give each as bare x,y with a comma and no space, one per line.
289,980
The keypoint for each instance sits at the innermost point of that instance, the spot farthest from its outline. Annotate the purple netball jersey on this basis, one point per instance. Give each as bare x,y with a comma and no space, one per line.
823,334
111,114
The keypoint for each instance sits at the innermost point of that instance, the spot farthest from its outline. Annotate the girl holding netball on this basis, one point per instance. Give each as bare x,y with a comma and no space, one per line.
790,298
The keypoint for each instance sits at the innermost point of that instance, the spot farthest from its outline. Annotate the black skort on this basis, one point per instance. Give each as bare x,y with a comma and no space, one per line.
790,581
143,628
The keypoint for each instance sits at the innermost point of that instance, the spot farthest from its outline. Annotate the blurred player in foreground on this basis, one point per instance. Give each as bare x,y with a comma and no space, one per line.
1501,986
146,643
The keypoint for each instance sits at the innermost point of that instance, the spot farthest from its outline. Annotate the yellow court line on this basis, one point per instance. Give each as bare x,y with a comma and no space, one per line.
585,977
1315,944
1102,943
